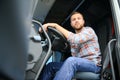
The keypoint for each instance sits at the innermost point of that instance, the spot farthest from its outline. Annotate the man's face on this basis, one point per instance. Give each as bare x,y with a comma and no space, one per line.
77,21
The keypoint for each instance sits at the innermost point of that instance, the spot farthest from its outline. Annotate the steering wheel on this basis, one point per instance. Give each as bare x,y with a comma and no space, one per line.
59,42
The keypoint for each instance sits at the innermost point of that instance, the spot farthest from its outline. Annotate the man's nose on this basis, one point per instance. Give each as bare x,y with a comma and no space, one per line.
76,20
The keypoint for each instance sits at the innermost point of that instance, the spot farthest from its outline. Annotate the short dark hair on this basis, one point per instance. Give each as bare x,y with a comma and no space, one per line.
76,13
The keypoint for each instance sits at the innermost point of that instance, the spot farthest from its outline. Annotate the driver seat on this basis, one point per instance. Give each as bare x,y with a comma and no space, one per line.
105,62
87,76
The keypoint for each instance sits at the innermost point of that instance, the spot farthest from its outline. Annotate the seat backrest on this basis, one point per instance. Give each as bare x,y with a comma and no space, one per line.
106,59
105,62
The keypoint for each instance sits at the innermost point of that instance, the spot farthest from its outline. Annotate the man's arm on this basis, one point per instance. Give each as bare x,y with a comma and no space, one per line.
58,27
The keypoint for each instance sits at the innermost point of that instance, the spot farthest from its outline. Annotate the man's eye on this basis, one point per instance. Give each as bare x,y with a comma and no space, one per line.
73,20
79,18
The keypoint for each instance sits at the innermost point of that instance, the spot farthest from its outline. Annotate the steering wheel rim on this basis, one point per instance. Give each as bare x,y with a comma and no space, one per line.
59,37
57,33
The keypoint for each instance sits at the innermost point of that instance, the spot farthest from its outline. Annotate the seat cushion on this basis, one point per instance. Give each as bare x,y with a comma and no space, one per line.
87,76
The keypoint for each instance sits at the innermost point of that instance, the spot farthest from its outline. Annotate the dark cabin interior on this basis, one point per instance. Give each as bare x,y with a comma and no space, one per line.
97,14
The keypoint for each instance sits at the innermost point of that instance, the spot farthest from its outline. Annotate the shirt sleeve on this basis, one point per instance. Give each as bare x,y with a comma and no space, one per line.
86,34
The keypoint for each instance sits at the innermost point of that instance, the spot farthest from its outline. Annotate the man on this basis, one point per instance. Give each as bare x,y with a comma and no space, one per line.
85,51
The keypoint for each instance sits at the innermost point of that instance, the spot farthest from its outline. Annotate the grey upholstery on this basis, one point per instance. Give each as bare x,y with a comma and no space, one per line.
87,76
15,20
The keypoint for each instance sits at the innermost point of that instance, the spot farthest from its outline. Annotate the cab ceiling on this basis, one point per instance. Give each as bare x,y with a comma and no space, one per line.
93,10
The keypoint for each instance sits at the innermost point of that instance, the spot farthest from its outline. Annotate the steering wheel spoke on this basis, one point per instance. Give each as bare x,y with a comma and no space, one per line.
59,42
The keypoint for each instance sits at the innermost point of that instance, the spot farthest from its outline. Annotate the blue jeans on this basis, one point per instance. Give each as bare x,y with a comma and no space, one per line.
67,69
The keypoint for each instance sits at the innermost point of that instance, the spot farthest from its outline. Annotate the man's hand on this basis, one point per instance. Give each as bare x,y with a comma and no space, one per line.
58,27
47,25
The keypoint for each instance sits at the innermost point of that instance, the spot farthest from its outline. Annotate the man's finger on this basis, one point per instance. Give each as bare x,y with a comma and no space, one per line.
40,30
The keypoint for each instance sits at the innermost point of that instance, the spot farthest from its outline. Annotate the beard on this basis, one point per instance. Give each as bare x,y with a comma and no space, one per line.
77,28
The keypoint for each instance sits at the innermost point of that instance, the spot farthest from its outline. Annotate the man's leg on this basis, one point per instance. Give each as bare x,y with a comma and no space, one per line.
50,70
73,64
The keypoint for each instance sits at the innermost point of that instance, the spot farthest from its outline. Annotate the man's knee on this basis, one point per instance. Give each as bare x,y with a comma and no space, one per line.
71,59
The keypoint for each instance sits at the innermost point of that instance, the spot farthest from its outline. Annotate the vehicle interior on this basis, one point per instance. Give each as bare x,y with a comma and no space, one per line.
97,14
24,51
